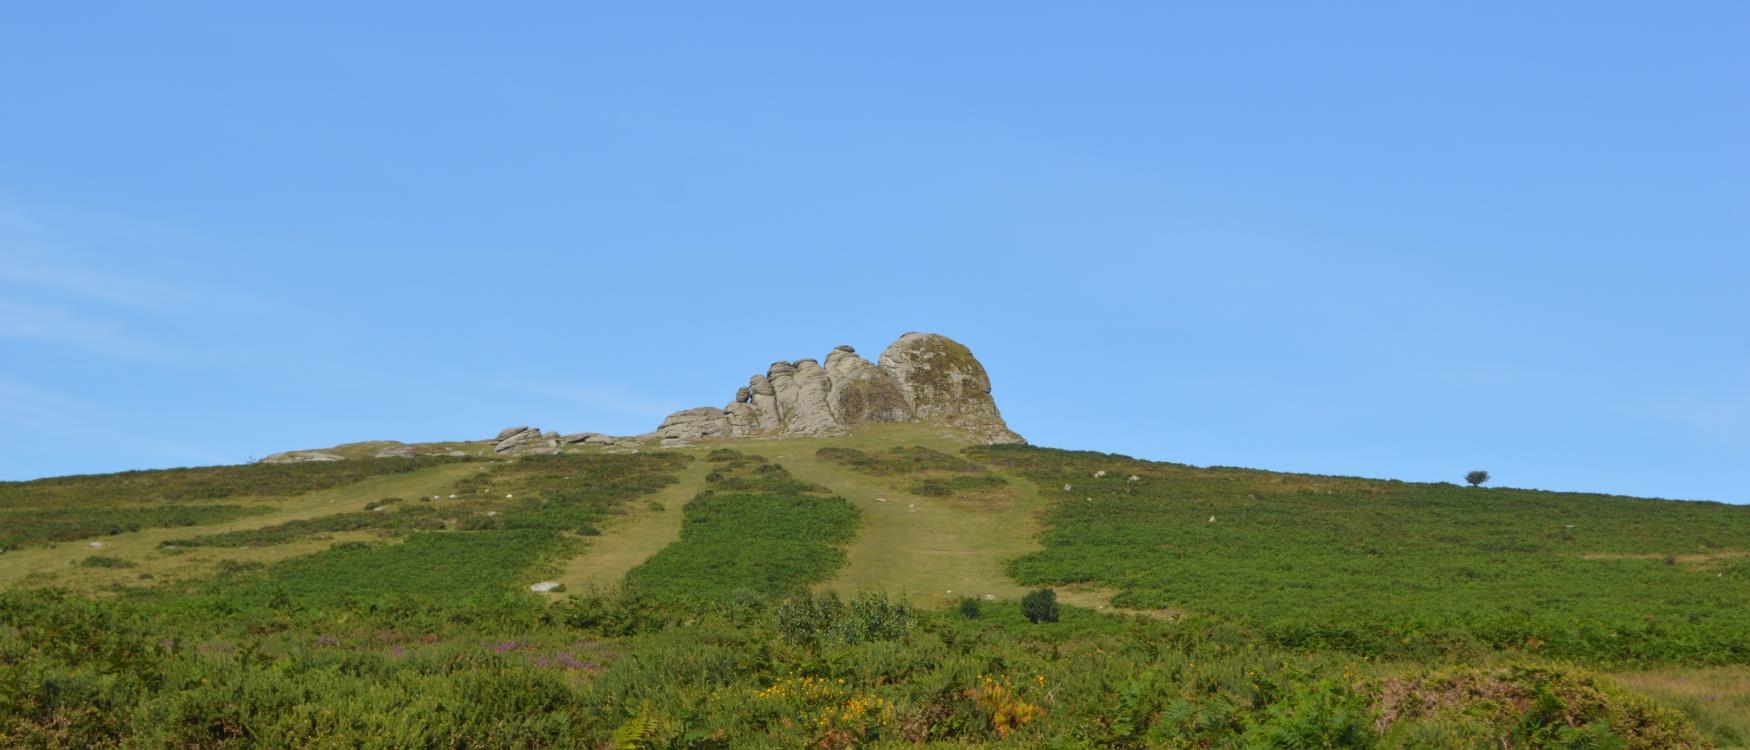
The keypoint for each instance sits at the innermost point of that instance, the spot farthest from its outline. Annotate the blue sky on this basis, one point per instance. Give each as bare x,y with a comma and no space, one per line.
1401,241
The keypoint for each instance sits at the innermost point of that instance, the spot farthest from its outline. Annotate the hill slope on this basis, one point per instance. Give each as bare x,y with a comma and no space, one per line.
1275,604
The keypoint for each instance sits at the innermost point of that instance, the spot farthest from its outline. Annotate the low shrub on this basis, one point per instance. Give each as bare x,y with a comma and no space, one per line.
1040,606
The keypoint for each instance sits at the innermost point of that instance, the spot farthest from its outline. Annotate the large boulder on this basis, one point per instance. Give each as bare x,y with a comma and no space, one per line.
943,382
518,439
921,377
690,425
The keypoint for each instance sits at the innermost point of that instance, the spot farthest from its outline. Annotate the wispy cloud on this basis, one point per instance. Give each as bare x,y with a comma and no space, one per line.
39,413
73,288
82,281
34,408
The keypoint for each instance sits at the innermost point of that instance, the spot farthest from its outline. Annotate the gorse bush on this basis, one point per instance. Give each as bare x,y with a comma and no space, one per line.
805,618
1040,605
149,672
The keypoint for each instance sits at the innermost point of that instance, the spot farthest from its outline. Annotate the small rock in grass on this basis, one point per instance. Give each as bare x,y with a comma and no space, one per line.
545,586
1066,488
97,545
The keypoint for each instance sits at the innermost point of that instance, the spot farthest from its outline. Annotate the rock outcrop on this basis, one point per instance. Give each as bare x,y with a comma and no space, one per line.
923,377
525,439
298,457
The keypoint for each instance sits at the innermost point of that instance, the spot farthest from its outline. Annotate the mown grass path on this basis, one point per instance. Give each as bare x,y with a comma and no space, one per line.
934,550
58,564
633,538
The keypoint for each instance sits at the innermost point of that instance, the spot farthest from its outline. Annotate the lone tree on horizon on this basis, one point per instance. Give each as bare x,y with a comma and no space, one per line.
1476,478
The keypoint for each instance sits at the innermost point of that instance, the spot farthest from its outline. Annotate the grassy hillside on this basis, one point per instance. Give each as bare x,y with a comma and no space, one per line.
1396,569
862,592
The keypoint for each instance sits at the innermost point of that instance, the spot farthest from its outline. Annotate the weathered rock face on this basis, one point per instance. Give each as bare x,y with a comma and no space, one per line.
526,440
943,382
922,377
863,392
687,425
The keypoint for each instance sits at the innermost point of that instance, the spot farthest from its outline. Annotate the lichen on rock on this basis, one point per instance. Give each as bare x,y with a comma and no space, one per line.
923,377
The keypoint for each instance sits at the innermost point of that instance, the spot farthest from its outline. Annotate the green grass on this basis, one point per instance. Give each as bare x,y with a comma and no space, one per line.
1718,698
207,483
757,532
952,486
426,568
898,460
1397,569
627,541
926,472
1270,636
37,526
403,521
566,492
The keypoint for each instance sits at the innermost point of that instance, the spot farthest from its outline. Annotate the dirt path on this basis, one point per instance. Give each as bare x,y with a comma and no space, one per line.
58,564
633,538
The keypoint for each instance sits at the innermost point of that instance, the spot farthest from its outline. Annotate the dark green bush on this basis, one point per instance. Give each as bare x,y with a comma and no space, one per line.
970,608
1040,605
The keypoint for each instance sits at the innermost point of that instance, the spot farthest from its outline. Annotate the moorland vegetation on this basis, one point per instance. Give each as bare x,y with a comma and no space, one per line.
1249,610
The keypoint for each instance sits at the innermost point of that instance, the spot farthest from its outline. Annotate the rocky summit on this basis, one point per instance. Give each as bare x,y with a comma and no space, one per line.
922,377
